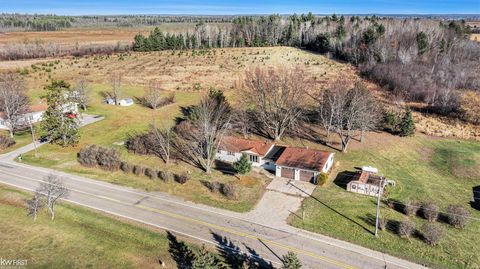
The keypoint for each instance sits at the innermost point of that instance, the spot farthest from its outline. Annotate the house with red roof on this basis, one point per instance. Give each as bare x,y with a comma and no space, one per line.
295,163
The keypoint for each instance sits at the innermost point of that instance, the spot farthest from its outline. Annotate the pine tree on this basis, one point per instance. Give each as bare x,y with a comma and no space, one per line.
58,125
243,166
407,125
205,260
291,261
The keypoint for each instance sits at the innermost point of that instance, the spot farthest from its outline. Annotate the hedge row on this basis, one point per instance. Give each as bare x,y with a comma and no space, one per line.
109,159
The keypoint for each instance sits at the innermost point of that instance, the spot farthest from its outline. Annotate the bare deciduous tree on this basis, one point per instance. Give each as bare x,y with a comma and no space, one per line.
13,101
153,96
115,83
52,188
278,96
82,89
347,111
34,205
201,133
162,142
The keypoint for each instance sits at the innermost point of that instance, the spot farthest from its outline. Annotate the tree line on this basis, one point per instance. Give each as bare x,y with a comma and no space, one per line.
427,61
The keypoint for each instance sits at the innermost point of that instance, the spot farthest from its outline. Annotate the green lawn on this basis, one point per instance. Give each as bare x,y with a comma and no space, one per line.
77,238
424,168
22,138
121,121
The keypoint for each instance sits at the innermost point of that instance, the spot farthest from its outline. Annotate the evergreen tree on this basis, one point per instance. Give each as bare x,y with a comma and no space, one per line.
407,125
205,260
59,125
243,166
291,261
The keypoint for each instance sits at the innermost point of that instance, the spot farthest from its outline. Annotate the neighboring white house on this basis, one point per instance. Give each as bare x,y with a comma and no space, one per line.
120,102
125,102
287,162
35,115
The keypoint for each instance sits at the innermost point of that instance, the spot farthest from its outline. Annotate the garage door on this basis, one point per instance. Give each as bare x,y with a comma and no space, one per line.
306,175
288,173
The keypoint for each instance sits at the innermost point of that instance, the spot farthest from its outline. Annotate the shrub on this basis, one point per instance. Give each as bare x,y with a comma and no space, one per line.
138,170
407,125
138,143
182,178
126,167
406,228
108,159
6,142
166,176
322,179
230,190
432,233
430,211
457,216
242,166
410,208
213,186
87,156
150,173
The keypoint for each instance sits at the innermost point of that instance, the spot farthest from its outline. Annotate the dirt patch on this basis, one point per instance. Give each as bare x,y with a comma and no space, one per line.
12,199
426,154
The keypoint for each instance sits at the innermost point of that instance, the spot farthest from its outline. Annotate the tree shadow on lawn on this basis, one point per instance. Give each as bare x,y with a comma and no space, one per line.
235,258
334,210
343,178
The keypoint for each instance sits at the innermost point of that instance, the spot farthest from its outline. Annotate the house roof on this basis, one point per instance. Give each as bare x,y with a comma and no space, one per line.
303,158
234,144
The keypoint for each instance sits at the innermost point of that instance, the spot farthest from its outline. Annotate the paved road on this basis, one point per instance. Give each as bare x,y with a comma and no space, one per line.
210,225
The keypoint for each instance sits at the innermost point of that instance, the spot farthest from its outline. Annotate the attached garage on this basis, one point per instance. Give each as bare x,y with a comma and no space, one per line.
306,175
288,173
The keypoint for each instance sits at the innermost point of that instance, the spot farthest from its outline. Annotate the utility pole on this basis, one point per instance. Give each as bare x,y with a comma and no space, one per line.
33,137
380,190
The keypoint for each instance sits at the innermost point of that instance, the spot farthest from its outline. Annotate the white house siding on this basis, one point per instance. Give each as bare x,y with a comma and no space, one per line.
223,155
28,118
34,117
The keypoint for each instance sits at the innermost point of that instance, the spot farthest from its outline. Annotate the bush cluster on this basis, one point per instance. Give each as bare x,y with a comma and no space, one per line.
93,155
6,142
229,190
182,178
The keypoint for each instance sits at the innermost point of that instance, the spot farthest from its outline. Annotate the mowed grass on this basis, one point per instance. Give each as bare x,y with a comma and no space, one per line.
22,138
120,122
77,238
424,169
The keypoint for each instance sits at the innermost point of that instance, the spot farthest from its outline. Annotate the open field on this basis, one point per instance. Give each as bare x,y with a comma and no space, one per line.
425,169
77,238
92,35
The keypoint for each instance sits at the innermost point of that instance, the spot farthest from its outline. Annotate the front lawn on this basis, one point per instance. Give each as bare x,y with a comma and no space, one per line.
119,122
424,169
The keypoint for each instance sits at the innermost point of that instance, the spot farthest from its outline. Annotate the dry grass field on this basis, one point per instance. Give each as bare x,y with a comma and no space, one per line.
179,70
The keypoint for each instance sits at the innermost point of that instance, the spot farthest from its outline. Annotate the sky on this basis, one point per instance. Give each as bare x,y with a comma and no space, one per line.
228,7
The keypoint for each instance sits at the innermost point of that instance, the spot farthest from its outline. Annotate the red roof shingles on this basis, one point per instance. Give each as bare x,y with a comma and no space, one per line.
234,144
303,158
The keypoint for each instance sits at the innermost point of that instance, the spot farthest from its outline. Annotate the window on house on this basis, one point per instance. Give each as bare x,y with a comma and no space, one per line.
230,153
253,159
